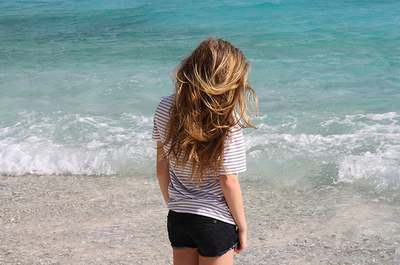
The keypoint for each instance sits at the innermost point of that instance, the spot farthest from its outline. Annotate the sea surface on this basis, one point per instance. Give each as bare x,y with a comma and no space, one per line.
80,80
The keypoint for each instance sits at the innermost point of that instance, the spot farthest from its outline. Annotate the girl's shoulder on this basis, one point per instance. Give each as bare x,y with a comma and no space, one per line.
168,100
165,104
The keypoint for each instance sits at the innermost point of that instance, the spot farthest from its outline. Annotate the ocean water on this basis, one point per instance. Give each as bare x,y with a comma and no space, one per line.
79,82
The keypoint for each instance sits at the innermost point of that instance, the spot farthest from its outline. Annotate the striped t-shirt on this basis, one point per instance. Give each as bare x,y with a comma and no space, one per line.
186,196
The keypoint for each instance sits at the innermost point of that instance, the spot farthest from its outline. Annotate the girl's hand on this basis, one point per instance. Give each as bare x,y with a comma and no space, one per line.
242,242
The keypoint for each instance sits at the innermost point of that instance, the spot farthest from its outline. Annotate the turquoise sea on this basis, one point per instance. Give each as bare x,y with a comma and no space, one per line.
80,80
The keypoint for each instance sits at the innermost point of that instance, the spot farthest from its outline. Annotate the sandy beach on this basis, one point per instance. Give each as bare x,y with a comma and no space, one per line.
121,220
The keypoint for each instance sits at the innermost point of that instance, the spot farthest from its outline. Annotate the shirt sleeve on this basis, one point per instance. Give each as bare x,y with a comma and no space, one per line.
235,154
161,118
155,135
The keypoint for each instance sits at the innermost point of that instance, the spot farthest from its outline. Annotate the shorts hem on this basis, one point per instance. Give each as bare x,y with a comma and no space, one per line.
220,253
178,248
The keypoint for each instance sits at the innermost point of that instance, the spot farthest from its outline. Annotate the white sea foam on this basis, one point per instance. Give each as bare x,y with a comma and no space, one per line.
379,161
353,148
75,144
358,147
381,170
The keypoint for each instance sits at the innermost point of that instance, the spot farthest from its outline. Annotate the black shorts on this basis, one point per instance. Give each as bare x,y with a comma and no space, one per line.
211,237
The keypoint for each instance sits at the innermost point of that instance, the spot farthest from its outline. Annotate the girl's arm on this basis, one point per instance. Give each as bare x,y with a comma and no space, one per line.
163,171
233,195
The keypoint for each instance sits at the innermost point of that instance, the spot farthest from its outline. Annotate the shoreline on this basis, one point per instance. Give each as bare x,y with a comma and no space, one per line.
122,220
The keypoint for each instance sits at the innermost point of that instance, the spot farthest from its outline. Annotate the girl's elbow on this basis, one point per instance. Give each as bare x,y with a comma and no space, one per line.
229,181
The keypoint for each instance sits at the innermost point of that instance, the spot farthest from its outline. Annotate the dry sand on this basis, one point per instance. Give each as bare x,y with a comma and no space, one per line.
121,220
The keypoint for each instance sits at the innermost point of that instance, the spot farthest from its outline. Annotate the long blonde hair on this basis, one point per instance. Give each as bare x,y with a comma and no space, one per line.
212,93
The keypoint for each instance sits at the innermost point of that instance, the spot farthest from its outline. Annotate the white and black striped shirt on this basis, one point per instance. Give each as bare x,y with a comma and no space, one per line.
186,196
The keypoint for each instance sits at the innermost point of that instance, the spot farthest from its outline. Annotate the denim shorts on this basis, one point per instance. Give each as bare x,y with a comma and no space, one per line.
211,237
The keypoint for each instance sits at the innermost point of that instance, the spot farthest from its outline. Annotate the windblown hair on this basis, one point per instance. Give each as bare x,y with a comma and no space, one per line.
212,96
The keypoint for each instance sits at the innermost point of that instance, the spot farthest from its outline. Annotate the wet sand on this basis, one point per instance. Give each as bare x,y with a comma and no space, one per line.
121,220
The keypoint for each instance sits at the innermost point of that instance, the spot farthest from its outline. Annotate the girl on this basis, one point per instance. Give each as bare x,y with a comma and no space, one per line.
200,151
